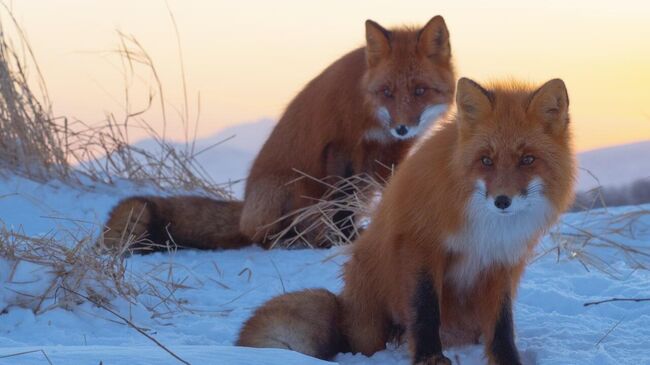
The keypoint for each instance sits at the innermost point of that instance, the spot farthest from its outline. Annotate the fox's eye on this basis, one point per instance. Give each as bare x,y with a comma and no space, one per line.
527,160
486,161
387,92
420,91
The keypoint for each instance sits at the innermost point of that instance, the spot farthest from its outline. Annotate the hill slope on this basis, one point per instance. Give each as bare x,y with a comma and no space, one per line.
614,166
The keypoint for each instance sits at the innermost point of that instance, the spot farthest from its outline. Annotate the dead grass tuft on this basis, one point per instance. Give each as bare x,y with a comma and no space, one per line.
63,265
82,268
31,141
603,237
322,224
37,145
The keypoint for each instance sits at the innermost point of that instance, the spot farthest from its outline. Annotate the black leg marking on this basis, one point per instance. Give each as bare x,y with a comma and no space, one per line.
338,165
349,171
503,344
344,219
426,327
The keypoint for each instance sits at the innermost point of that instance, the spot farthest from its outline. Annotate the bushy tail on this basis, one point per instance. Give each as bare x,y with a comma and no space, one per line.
307,321
150,223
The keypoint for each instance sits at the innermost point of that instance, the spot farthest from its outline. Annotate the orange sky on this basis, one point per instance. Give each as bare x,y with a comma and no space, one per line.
248,58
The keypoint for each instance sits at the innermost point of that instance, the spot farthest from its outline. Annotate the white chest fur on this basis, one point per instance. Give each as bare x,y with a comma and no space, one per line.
490,237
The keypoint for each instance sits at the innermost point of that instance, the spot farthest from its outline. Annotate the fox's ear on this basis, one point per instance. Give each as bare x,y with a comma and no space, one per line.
473,102
433,39
550,104
377,42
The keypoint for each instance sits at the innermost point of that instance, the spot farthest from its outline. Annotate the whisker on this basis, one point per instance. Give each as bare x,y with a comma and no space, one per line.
536,189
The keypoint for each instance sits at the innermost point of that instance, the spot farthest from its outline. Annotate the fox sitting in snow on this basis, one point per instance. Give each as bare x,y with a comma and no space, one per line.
442,258
360,115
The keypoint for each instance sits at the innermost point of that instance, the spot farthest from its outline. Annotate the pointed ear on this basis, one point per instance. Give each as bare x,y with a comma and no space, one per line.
377,42
473,102
433,40
550,104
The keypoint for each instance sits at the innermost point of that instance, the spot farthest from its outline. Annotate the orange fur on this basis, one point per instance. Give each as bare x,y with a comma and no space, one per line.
332,128
308,316
418,228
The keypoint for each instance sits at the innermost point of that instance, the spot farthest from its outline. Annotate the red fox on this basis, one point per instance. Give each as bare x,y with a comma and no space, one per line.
361,114
443,256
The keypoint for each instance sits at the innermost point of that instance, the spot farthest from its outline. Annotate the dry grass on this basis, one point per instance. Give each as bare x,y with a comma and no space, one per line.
71,266
71,275
319,224
31,141
67,270
603,237
36,144
635,193
107,154
39,146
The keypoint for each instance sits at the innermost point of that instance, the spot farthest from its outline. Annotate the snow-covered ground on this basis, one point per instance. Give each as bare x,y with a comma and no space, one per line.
221,289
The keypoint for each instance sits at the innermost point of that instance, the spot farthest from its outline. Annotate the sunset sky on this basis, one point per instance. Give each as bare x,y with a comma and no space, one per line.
248,58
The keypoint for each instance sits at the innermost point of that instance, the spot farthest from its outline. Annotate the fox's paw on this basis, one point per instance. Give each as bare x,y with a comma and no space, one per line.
435,360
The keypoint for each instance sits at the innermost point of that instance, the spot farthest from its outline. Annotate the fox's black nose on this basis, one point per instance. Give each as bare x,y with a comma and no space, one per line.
502,202
401,130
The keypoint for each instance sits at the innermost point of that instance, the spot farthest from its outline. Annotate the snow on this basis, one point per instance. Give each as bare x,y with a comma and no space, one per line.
230,355
222,288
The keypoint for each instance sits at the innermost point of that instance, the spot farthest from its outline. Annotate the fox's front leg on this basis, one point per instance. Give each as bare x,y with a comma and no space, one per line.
426,347
338,165
499,333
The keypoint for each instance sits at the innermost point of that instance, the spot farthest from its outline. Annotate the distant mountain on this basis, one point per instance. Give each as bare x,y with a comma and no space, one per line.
237,146
230,160
614,166
227,155
248,136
